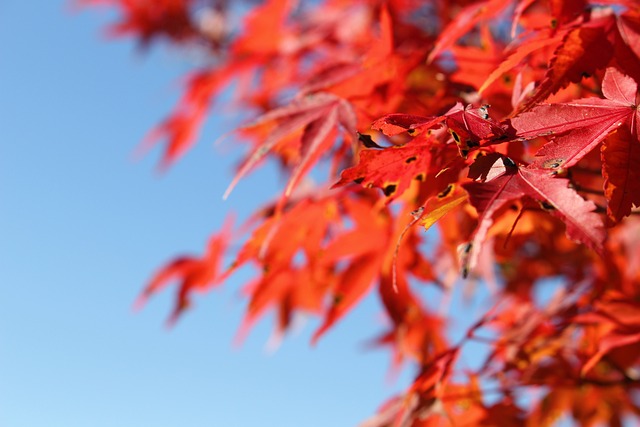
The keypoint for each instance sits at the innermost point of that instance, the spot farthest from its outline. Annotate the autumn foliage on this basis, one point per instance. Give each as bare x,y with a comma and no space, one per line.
509,128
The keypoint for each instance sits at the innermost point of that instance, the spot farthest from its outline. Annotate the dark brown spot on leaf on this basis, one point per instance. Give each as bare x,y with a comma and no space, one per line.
367,141
455,136
411,159
484,111
547,206
446,191
417,213
389,189
358,180
508,162
420,177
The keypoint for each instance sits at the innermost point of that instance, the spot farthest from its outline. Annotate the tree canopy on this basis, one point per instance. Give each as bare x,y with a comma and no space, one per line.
509,128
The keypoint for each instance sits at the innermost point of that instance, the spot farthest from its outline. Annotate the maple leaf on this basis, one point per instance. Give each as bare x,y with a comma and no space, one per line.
180,129
515,183
619,324
394,124
370,80
195,274
317,115
582,224
579,126
150,19
303,262
364,261
571,60
392,169
287,246
533,44
469,127
465,20
629,28
621,171
473,63
269,19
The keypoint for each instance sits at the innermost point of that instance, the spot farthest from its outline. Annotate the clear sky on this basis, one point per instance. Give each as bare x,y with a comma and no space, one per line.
83,226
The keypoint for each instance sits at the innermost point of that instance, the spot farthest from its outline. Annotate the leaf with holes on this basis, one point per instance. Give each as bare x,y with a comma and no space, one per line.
391,169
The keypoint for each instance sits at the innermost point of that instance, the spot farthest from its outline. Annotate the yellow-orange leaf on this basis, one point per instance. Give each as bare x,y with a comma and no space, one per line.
440,205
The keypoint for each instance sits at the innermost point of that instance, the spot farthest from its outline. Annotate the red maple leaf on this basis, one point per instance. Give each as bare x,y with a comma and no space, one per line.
392,169
465,20
317,116
578,127
514,183
151,19
571,61
621,171
195,274
618,323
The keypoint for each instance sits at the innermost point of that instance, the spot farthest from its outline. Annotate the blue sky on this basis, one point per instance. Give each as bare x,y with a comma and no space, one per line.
84,226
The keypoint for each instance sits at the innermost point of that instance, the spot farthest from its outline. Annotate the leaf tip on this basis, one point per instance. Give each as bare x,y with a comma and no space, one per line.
140,302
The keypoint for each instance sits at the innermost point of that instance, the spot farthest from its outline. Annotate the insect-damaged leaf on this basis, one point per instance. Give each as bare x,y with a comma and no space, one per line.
391,169
394,124
469,126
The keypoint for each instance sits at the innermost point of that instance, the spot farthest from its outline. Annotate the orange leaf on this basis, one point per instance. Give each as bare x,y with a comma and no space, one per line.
440,205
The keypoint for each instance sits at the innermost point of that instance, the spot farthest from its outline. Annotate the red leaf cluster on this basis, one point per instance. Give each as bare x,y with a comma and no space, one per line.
509,128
